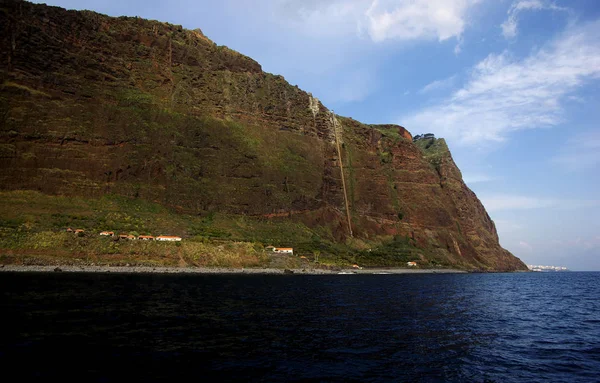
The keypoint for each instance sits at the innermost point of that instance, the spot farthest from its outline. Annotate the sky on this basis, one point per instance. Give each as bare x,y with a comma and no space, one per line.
512,85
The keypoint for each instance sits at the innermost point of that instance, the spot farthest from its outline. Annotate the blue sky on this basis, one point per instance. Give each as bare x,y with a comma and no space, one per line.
512,85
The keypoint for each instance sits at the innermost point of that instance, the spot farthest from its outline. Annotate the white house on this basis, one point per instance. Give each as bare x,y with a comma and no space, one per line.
411,264
284,250
170,238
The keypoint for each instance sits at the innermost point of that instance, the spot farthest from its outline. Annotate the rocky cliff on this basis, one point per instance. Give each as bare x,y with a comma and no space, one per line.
92,105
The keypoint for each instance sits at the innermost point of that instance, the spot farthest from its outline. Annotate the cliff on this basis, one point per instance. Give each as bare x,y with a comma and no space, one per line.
94,106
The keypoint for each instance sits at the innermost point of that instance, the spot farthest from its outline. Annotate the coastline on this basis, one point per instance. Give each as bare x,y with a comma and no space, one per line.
213,270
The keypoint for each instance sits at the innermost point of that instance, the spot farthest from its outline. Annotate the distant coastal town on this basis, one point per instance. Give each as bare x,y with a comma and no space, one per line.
546,268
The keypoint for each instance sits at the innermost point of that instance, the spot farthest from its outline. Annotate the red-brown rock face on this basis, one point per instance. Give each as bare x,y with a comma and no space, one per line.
91,105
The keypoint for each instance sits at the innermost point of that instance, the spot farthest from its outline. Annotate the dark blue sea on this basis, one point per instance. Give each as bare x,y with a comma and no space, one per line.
524,327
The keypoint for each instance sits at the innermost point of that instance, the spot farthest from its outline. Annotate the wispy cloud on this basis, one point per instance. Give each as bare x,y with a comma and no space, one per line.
326,41
526,246
582,243
511,25
438,85
514,202
504,94
477,178
414,19
458,46
501,202
507,226
581,152
381,20
587,243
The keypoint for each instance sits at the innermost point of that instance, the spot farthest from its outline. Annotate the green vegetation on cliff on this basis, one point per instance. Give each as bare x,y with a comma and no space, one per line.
435,151
33,230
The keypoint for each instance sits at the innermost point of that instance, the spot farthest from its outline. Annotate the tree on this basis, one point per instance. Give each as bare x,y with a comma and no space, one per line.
316,253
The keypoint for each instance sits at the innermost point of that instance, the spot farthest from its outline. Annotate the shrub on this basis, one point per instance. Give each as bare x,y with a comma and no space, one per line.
48,240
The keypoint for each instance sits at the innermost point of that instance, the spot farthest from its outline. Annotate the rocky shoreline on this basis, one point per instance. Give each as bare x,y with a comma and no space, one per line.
212,270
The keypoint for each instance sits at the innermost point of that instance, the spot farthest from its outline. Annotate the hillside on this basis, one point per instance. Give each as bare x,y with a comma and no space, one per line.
95,109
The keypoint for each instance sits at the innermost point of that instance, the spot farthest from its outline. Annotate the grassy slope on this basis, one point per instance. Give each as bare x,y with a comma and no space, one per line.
32,231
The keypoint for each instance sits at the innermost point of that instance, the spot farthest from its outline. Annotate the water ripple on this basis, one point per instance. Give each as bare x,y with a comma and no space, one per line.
428,328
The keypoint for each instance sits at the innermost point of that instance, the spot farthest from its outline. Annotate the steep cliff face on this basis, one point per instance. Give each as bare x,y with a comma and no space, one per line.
91,105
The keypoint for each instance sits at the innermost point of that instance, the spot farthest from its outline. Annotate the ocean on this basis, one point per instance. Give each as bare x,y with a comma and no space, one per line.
534,327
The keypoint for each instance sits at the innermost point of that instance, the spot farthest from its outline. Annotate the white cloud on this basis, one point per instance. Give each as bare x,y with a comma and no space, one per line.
477,178
502,202
458,46
380,19
438,85
413,19
320,18
511,25
504,94
513,202
586,243
507,226
581,243
333,47
526,246
581,152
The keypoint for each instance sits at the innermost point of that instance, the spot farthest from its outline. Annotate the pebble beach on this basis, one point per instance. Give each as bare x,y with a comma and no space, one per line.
211,270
